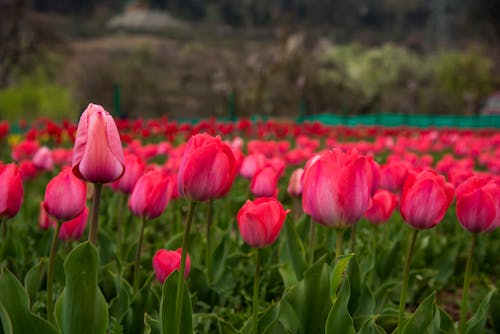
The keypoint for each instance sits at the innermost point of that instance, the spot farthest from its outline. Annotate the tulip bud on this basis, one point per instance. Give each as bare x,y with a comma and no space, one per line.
44,220
165,262
11,190
73,229
478,204
207,169
43,159
65,196
383,204
425,199
97,154
134,168
151,195
260,221
295,184
264,182
251,164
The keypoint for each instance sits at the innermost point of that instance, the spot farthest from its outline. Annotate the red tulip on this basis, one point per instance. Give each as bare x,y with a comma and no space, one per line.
383,204
425,199
97,154
28,170
264,182
207,169
478,204
295,184
165,262
25,150
260,221
151,195
11,190
65,196
134,168
337,188
393,175
73,229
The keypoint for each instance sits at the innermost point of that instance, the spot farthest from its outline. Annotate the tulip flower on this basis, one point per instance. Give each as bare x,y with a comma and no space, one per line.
424,201
207,169
134,168
478,210
295,183
44,220
65,196
383,204
11,191
165,262
74,228
251,164
264,182
97,155
260,223
43,159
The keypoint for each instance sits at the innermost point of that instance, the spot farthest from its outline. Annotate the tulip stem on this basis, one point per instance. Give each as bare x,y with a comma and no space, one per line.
463,312
255,308
50,273
94,215
311,241
180,280
119,225
138,255
353,238
208,261
406,274
339,233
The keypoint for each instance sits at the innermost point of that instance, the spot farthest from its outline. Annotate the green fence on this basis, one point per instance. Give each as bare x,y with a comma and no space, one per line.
387,119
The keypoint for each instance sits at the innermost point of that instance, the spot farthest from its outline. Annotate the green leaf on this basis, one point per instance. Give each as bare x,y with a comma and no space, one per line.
167,306
151,326
296,250
266,320
339,320
478,320
219,259
34,278
15,312
120,303
355,282
371,327
81,307
338,273
420,321
494,311
442,322
133,320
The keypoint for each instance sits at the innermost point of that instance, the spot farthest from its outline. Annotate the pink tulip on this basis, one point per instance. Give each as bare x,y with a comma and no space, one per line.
264,182
74,228
337,188
425,199
295,184
260,221
97,154
65,196
151,195
478,204
134,168
44,220
165,262
251,164
43,159
383,204
11,190
207,169
393,175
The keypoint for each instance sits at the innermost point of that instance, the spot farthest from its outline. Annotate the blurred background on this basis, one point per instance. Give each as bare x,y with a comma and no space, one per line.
241,58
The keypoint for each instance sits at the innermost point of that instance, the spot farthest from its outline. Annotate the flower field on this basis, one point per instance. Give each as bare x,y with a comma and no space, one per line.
276,227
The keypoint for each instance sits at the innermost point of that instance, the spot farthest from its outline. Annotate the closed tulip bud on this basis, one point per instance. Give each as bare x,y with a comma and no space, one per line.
260,221
264,182
425,199
251,164
73,229
478,204
97,154
383,204
43,159
393,175
134,168
65,196
11,190
165,262
151,195
207,169
295,184
337,188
